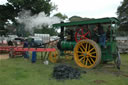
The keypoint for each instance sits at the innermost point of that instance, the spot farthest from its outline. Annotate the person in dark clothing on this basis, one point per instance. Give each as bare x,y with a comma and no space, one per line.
10,43
33,52
25,44
70,34
102,35
26,54
95,35
109,32
33,56
100,29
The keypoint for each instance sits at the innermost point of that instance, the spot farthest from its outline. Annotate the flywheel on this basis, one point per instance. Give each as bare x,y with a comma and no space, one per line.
82,34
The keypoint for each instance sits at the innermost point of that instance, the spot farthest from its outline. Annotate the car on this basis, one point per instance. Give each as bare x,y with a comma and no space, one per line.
38,42
19,41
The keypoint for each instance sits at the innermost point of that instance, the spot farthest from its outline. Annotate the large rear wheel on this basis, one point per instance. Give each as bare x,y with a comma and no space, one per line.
87,54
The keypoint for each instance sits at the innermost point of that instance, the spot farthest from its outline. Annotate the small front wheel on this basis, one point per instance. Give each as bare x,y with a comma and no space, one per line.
54,56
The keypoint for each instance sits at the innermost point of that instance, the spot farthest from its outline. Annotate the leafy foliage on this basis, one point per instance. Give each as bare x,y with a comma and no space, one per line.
7,12
61,16
35,6
10,10
46,30
122,12
77,18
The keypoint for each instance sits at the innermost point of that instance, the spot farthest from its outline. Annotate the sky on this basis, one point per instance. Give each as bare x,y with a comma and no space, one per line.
86,8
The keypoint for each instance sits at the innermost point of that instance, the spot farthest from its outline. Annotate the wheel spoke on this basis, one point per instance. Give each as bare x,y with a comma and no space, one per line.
91,50
92,60
84,60
81,38
91,56
89,61
81,58
79,35
81,49
55,55
82,46
86,33
85,38
81,55
79,52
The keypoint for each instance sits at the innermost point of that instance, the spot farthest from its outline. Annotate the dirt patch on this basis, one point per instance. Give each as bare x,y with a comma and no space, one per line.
4,56
99,81
125,75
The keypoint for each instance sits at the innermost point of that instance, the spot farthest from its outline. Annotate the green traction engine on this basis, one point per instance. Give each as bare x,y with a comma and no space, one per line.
82,39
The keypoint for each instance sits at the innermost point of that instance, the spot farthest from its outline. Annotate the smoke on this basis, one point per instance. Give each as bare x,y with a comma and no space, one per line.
36,21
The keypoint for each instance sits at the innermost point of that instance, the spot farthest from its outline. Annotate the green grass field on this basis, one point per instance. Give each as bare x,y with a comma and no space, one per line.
18,71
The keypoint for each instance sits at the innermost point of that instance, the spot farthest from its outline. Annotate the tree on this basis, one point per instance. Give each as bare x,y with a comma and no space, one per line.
7,13
10,10
61,16
46,30
122,13
36,6
77,18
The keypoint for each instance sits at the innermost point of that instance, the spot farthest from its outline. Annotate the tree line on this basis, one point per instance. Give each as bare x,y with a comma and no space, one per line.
9,13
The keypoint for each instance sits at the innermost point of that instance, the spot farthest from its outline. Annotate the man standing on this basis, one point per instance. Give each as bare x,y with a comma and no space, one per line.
10,43
26,54
33,52
102,35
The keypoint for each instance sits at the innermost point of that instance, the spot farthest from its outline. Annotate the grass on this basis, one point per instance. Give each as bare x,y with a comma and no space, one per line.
18,71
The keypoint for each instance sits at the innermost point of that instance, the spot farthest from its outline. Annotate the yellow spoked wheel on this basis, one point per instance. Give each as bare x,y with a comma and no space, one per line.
87,54
54,56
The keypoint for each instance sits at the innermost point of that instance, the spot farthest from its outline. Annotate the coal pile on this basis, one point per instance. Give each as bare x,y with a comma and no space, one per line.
65,72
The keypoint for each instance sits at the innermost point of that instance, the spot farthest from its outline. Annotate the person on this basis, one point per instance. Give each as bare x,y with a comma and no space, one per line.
15,43
26,54
95,34
10,43
33,56
33,52
70,35
108,34
102,35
